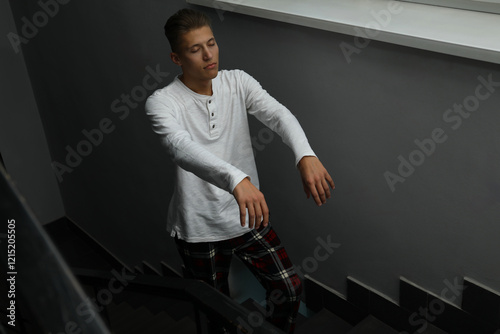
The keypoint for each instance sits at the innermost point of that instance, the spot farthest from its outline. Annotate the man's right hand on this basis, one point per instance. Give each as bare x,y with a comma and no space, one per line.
249,197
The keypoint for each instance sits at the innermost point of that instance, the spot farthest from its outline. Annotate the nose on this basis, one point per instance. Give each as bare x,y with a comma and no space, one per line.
207,54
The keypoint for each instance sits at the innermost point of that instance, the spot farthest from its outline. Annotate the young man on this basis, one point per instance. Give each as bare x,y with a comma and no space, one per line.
217,209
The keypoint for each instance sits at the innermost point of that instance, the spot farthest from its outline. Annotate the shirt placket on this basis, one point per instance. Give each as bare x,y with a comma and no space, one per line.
212,117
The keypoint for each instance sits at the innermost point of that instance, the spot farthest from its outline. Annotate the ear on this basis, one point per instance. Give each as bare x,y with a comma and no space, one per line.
175,58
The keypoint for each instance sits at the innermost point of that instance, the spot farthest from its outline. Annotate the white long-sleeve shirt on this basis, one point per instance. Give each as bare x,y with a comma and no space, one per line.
209,139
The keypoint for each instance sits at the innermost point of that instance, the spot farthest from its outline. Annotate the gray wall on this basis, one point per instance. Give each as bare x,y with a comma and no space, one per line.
440,224
22,139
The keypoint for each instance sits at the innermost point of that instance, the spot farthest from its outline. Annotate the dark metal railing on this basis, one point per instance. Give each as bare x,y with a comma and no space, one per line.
42,294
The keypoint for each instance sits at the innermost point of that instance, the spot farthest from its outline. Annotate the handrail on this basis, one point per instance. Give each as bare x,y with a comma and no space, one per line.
40,280
214,304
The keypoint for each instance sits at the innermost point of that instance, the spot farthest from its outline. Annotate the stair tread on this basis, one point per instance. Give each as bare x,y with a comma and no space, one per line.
371,325
324,322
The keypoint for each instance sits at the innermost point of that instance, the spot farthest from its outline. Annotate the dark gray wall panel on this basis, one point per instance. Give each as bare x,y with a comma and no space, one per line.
22,138
439,224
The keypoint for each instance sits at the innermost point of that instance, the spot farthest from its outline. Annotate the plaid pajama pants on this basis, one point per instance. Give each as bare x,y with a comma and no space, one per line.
263,254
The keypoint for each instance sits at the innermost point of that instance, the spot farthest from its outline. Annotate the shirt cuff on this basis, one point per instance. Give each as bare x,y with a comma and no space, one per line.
308,153
235,180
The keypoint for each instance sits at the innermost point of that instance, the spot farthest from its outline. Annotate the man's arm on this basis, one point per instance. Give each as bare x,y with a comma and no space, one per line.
315,178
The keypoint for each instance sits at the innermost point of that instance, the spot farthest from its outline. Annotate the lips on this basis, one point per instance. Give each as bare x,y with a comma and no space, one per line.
211,66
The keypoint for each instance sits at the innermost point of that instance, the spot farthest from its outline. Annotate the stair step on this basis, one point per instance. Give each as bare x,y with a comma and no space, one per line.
371,325
324,322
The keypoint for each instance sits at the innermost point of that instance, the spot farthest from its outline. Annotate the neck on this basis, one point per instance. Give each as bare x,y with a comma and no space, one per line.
200,87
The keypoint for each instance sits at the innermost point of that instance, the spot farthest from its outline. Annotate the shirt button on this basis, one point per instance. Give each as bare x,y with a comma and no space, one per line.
212,114
209,101
213,126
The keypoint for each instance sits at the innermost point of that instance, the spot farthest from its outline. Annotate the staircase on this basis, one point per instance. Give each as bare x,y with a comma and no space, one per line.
418,310
325,321
127,312
364,311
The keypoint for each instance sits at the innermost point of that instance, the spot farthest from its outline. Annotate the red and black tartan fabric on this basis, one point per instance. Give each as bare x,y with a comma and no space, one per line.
267,259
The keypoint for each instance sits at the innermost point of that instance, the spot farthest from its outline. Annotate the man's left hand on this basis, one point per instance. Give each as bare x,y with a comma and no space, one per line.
315,179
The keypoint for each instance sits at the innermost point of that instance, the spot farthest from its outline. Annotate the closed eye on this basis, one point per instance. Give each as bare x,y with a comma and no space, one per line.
195,48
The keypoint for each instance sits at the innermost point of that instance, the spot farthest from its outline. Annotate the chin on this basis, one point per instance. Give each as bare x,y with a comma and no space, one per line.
214,74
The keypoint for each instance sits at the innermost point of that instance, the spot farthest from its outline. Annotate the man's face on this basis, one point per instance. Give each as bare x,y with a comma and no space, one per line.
198,55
